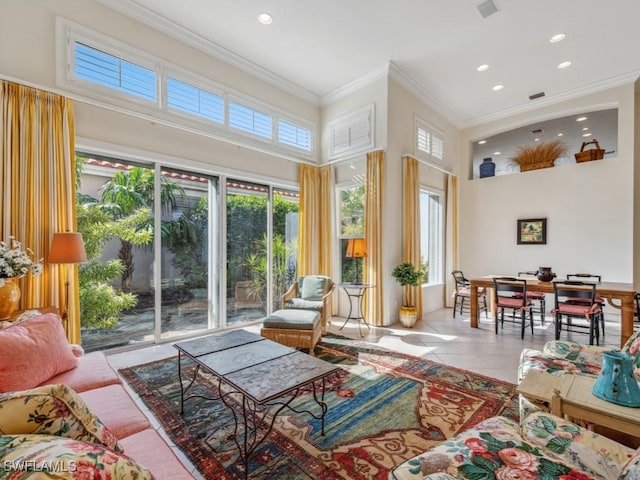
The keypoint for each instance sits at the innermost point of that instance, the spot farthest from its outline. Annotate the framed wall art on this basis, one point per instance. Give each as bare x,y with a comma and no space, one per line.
532,231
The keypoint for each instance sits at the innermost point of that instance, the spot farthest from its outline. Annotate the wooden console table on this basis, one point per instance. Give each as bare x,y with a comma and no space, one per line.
619,295
570,395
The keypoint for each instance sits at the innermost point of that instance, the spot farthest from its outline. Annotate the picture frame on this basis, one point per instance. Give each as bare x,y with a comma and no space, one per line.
532,231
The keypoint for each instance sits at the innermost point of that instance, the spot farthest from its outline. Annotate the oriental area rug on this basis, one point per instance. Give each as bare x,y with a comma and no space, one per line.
384,407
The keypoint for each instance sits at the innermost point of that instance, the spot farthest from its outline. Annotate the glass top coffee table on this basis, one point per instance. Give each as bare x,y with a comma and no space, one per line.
261,378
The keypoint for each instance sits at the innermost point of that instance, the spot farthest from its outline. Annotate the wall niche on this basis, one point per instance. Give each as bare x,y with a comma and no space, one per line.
572,131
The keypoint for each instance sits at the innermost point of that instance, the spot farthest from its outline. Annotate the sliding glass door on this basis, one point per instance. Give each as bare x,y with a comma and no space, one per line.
247,251
188,255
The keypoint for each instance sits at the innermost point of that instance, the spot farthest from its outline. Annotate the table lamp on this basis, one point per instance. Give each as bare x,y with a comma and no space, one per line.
356,248
67,248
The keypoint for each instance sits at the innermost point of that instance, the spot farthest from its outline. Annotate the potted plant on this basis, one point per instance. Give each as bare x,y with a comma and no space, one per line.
407,275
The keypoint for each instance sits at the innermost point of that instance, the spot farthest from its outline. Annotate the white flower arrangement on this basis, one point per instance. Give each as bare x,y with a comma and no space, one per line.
15,261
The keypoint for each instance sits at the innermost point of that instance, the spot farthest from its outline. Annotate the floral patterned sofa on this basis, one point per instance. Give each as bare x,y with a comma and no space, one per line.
559,357
543,447
64,414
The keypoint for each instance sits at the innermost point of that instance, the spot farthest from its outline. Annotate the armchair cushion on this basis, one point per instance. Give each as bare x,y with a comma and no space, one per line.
313,287
48,456
53,410
301,304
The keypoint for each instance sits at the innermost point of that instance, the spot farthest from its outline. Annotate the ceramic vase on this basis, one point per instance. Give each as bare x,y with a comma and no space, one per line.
545,274
9,298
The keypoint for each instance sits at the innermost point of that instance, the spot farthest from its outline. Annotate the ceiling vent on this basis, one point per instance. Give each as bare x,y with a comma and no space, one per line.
487,8
537,131
536,95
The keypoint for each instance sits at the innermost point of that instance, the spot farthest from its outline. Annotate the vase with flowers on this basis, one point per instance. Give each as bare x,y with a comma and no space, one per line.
15,262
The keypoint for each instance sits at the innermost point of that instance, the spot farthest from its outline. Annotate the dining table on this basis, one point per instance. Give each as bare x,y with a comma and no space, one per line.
619,295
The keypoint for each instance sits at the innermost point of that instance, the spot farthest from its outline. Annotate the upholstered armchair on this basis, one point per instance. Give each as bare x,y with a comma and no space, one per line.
311,292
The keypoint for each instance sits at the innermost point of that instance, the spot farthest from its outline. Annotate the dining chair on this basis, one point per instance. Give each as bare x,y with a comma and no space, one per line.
589,277
539,297
511,293
636,307
462,291
565,293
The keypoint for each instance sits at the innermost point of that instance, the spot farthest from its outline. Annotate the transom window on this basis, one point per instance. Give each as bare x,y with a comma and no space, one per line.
110,71
428,141
133,79
190,99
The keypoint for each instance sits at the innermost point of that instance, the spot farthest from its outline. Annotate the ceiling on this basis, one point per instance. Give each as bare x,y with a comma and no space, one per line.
317,49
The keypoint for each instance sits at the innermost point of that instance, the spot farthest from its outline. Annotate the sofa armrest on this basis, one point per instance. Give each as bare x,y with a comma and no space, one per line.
289,294
588,451
575,352
53,410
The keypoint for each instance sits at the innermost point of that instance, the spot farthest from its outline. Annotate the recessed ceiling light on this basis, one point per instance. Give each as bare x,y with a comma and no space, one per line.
497,87
536,139
497,153
482,142
483,67
564,64
586,134
560,134
265,18
584,129
581,119
558,37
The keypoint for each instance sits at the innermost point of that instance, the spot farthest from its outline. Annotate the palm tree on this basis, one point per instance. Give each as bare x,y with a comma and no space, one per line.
125,194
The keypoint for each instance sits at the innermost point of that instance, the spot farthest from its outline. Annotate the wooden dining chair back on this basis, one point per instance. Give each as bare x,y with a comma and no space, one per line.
587,309
462,292
538,297
511,293
589,277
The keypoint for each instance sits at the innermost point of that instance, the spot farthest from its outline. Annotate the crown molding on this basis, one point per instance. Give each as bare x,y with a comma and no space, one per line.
134,10
355,85
408,82
589,89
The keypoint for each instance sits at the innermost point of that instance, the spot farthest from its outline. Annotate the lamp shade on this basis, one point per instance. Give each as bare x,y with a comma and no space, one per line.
356,248
67,247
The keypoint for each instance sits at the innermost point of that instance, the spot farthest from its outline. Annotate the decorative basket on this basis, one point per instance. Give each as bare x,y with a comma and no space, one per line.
525,167
596,153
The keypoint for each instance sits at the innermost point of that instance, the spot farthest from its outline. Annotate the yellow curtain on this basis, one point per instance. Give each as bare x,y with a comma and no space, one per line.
451,235
411,227
315,227
373,222
325,224
37,176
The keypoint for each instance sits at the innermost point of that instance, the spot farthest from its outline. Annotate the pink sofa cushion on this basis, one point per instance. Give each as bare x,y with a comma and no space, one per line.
93,371
113,405
149,449
32,352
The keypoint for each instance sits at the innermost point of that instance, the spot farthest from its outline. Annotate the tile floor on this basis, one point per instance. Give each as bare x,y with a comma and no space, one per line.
437,337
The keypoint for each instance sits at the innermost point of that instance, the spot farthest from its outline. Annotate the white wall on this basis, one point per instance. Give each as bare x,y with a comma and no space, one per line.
404,106
589,206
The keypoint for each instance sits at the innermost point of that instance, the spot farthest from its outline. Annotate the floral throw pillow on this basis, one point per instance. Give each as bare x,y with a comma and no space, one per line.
493,449
53,410
46,456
